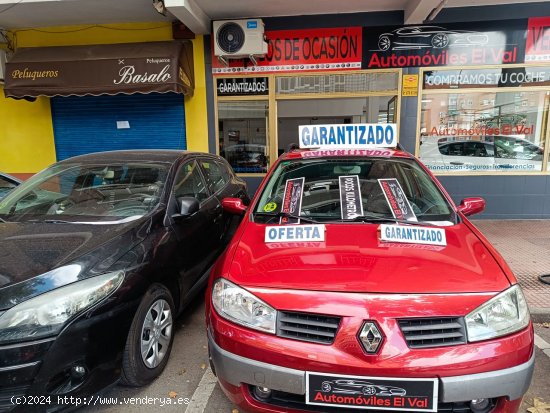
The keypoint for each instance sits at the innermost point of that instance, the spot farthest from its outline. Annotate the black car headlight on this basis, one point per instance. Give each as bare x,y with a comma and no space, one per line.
46,314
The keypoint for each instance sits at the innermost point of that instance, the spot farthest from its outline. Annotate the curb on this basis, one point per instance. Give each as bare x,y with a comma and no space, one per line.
540,315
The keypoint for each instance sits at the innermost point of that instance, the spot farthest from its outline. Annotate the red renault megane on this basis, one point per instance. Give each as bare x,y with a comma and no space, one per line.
353,272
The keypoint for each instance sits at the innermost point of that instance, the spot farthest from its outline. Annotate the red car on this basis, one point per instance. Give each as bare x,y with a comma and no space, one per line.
355,266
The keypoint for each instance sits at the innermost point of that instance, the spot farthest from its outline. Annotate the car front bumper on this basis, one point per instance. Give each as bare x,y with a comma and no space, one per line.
33,373
511,382
499,369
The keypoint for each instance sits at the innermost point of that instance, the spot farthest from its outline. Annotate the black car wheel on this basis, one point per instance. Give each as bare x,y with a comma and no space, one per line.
440,40
150,338
384,43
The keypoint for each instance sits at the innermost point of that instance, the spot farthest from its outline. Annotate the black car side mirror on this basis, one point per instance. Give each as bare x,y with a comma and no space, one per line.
187,206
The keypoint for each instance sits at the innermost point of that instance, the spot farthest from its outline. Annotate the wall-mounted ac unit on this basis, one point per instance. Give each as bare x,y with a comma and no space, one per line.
2,65
234,39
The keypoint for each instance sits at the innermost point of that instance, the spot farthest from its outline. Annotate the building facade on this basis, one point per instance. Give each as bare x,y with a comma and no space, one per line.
469,91
78,89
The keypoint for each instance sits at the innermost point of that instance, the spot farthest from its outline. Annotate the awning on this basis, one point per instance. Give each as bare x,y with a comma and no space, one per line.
101,69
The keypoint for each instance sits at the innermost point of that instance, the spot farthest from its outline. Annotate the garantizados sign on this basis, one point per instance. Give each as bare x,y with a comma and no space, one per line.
242,86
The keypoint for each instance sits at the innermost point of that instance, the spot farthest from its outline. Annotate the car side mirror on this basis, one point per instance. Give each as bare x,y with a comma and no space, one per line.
471,206
187,206
234,206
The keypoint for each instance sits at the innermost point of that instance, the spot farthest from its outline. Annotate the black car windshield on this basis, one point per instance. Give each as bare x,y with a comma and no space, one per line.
373,189
78,192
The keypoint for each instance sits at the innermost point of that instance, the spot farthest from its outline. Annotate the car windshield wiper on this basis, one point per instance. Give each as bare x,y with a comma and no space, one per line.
285,215
375,218
3,220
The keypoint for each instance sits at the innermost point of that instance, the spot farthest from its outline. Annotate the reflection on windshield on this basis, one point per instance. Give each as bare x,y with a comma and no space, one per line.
341,189
78,192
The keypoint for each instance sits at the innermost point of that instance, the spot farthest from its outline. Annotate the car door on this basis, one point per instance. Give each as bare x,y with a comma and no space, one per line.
196,233
217,184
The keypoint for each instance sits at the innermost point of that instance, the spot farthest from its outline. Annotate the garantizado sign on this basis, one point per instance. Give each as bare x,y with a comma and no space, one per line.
244,86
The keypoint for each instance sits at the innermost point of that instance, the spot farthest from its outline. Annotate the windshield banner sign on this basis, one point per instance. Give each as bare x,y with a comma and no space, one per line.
350,197
292,200
398,202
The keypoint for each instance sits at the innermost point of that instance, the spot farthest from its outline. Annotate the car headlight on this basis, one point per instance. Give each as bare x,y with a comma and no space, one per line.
46,314
238,305
501,315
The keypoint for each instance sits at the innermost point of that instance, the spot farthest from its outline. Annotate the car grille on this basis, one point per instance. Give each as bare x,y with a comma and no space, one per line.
433,332
298,402
6,395
307,327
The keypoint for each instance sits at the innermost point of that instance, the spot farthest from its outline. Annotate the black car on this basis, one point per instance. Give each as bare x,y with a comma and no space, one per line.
100,253
7,183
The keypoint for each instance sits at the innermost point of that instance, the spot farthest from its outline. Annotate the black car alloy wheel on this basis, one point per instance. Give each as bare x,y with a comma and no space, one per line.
150,338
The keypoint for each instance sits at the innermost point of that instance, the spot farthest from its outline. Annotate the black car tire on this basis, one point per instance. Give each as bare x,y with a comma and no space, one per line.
134,371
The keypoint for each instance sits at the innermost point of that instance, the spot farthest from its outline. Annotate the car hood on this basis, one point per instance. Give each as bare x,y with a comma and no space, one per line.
352,259
31,254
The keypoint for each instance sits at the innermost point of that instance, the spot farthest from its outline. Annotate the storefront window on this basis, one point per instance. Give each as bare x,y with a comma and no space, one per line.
243,135
483,131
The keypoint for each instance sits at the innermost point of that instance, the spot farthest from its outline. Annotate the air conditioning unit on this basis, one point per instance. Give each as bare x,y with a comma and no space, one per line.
2,65
235,39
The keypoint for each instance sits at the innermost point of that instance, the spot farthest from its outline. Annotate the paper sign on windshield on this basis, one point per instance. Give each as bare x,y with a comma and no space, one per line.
398,202
292,200
413,234
350,197
346,136
295,233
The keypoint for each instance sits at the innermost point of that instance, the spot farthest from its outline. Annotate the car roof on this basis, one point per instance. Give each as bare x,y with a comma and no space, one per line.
345,153
144,155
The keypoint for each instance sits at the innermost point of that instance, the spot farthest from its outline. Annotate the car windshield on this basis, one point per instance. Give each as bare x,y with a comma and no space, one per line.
83,192
370,189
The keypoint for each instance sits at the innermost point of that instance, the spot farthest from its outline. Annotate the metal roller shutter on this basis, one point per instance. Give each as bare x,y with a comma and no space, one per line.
85,124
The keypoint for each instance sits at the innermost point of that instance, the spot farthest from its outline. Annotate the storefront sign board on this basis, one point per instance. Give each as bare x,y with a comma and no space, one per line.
301,50
410,85
453,44
538,40
244,86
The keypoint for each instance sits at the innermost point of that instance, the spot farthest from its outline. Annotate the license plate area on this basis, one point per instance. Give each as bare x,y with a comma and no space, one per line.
366,392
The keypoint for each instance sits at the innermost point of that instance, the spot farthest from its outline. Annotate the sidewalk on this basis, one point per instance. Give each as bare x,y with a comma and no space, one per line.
525,245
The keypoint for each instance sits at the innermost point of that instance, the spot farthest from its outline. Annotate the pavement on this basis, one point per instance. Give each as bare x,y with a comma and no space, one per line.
525,245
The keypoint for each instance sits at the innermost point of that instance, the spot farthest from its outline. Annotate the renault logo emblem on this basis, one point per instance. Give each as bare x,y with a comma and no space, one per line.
370,337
